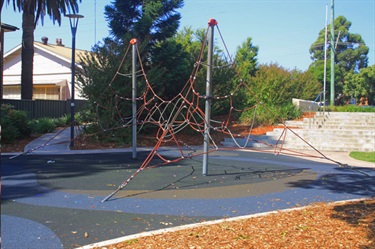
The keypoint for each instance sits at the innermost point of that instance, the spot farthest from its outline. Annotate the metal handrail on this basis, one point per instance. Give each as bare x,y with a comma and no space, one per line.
319,96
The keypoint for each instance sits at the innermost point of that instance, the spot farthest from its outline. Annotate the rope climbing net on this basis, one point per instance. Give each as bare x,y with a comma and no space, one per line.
185,110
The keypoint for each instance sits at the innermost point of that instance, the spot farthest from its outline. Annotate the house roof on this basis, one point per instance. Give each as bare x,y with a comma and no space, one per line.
61,51
39,81
8,28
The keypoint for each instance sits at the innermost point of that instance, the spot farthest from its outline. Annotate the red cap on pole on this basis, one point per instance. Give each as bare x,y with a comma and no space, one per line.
133,41
212,22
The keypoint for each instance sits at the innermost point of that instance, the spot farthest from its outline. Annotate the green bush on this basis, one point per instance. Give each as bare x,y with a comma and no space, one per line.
8,132
350,108
120,136
42,125
14,124
270,115
47,125
84,116
289,112
62,121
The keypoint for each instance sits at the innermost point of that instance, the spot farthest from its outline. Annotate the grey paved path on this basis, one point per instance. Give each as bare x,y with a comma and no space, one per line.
52,197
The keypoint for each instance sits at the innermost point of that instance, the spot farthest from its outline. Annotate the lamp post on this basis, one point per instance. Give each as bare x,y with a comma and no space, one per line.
332,53
73,18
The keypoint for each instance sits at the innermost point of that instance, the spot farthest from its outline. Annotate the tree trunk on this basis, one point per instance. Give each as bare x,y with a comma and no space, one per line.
27,55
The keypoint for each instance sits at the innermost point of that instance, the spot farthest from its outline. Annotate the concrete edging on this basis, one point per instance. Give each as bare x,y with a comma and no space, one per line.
195,225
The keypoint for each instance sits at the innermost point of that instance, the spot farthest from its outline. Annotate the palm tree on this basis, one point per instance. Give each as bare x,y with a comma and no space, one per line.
32,11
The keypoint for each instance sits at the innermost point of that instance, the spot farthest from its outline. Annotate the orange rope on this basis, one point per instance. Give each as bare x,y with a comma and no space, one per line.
170,116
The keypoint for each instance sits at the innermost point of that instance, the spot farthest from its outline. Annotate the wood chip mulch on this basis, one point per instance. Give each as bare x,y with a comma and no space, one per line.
336,225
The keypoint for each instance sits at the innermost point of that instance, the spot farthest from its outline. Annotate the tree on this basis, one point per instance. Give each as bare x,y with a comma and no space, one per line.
32,11
350,51
153,24
94,76
316,70
275,85
170,70
147,21
245,59
191,41
361,85
246,65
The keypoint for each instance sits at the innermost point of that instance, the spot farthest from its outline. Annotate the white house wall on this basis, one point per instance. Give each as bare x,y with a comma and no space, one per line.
47,64
48,69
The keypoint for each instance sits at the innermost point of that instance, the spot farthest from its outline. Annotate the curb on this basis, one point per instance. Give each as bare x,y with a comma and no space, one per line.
195,225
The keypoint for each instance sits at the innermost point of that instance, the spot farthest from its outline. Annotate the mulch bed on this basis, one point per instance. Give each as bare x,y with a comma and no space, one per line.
17,145
186,138
344,225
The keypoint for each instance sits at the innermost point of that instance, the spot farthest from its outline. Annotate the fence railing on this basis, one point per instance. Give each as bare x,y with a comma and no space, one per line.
44,108
320,104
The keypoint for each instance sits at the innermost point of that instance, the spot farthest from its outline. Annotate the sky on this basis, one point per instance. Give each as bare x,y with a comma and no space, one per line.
283,30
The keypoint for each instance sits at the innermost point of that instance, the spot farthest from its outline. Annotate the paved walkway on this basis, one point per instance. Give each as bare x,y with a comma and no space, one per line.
51,197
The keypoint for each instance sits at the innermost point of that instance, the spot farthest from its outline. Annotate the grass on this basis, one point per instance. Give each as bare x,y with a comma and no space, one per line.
363,156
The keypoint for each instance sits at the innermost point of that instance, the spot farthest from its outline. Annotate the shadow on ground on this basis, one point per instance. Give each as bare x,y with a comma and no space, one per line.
38,174
354,213
360,182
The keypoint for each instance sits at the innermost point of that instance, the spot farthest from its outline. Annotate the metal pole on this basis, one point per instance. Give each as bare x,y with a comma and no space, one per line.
134,101
72,120
211,23
325,61
73,19
95,22
332,54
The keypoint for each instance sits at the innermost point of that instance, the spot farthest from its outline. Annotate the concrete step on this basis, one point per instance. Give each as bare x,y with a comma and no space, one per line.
298,144
346,114
331,125
348,122
305,146
322,147
335,132
330,132
315,139
292,123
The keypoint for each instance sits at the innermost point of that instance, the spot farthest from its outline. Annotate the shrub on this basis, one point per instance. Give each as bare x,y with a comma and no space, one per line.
8,132
62,121
270,115
42,125
350,108
14,124
120,136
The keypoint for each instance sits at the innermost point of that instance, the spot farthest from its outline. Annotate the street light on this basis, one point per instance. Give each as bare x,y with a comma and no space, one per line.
73,18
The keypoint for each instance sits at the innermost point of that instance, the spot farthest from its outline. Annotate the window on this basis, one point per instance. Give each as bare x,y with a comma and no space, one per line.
46,92
11,92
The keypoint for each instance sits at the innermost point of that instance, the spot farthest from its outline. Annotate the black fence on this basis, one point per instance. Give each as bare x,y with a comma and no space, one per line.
45,108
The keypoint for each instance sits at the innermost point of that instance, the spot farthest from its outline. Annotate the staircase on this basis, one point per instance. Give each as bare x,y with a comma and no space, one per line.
333,131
